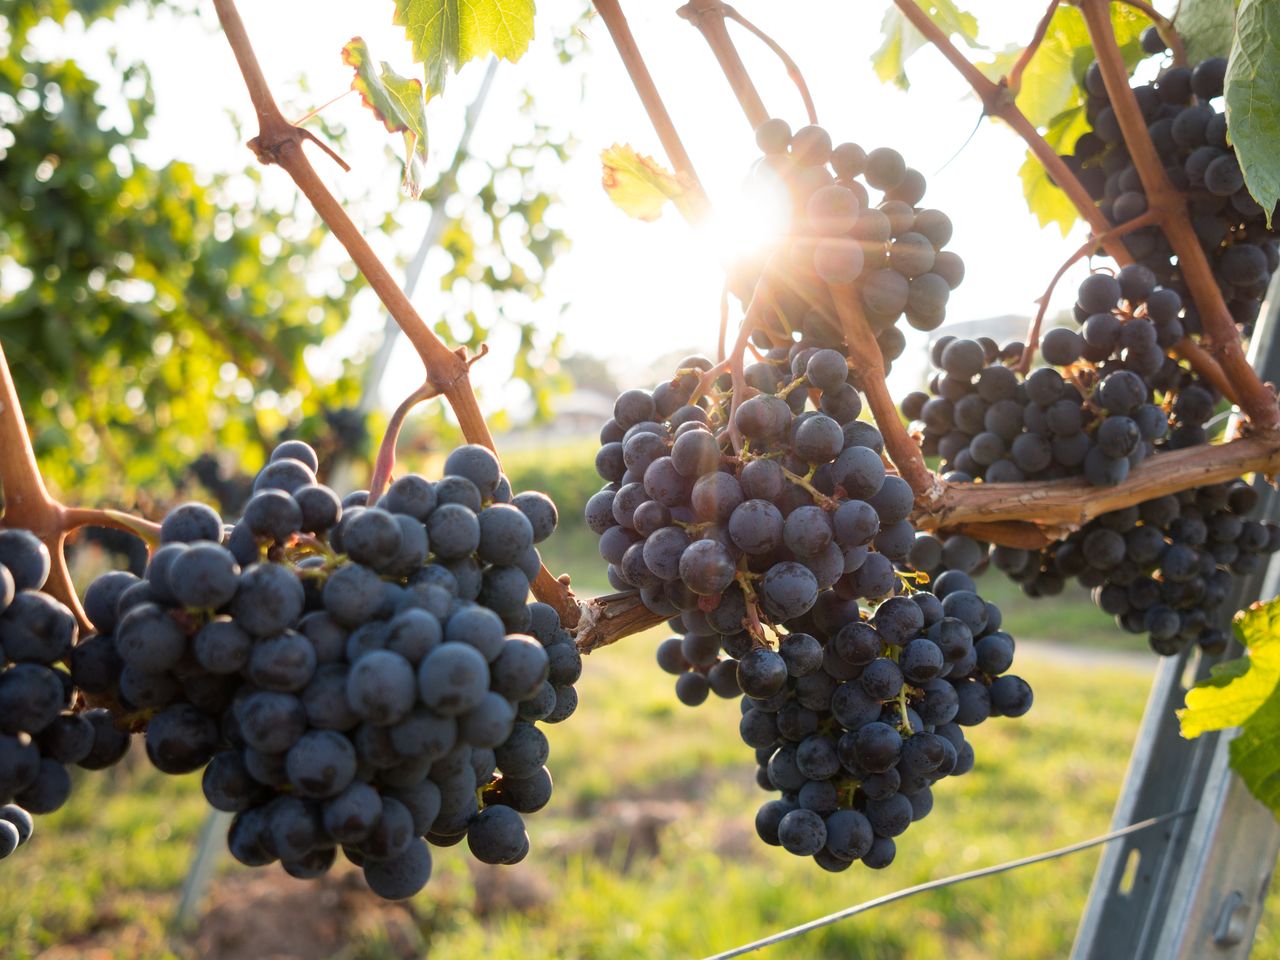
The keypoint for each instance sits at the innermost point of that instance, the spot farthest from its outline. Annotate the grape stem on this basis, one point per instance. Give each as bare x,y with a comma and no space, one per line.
708,16
707,379
1256,399
75,517
1164,26
805,483
868,363
902,710
1084,250
386,460
316,546
724,322
1013,81
751,622
793,70
762,294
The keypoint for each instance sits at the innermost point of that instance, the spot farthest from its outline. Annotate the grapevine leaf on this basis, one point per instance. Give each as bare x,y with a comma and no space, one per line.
1052,98
1253,99
1207,27
901,39
1254,755
445,34
639,185
1236,690
399,102
1044,198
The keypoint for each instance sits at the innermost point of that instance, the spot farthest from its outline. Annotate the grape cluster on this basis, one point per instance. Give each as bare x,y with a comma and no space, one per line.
855,719
763,558
808,507
40,736
1163,567
1114,399
891,250
347,674
1191,137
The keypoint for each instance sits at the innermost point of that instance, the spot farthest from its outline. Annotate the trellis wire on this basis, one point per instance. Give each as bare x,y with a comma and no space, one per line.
941,882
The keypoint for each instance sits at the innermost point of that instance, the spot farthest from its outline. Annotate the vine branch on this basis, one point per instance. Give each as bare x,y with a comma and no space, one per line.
280,142
1058,505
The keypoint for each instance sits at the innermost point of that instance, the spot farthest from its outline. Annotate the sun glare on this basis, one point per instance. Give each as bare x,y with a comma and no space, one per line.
749,223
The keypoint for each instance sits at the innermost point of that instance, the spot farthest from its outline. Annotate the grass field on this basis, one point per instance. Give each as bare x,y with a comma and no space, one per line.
647,849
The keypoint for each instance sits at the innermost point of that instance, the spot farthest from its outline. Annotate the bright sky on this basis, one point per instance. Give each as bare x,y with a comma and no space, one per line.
627,290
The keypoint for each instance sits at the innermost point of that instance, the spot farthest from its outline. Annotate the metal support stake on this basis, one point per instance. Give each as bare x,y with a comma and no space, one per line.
1196,888
209,846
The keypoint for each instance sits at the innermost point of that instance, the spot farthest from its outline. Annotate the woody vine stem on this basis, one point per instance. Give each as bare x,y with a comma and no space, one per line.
1025,515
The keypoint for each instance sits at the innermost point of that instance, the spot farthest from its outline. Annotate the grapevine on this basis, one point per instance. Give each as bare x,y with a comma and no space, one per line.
366,674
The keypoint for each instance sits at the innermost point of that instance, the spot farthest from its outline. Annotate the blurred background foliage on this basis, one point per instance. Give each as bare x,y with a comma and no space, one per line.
163,324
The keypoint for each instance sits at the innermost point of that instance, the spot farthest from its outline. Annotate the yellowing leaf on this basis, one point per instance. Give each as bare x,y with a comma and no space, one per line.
1237,688
639,185
902,39
1253,99
1044,198
445,34
1244,693
399,102
1050,81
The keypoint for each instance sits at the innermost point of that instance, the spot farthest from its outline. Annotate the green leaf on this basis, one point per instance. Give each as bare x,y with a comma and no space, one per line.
1254,754
1253,99
445,34
901,39
639,185
399,102
1235,690
1207,27
1044,198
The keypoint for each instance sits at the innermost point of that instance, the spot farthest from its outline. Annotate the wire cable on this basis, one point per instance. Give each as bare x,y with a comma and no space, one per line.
839,915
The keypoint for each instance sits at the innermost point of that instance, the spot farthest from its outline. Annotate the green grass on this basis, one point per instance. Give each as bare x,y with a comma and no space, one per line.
646,851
